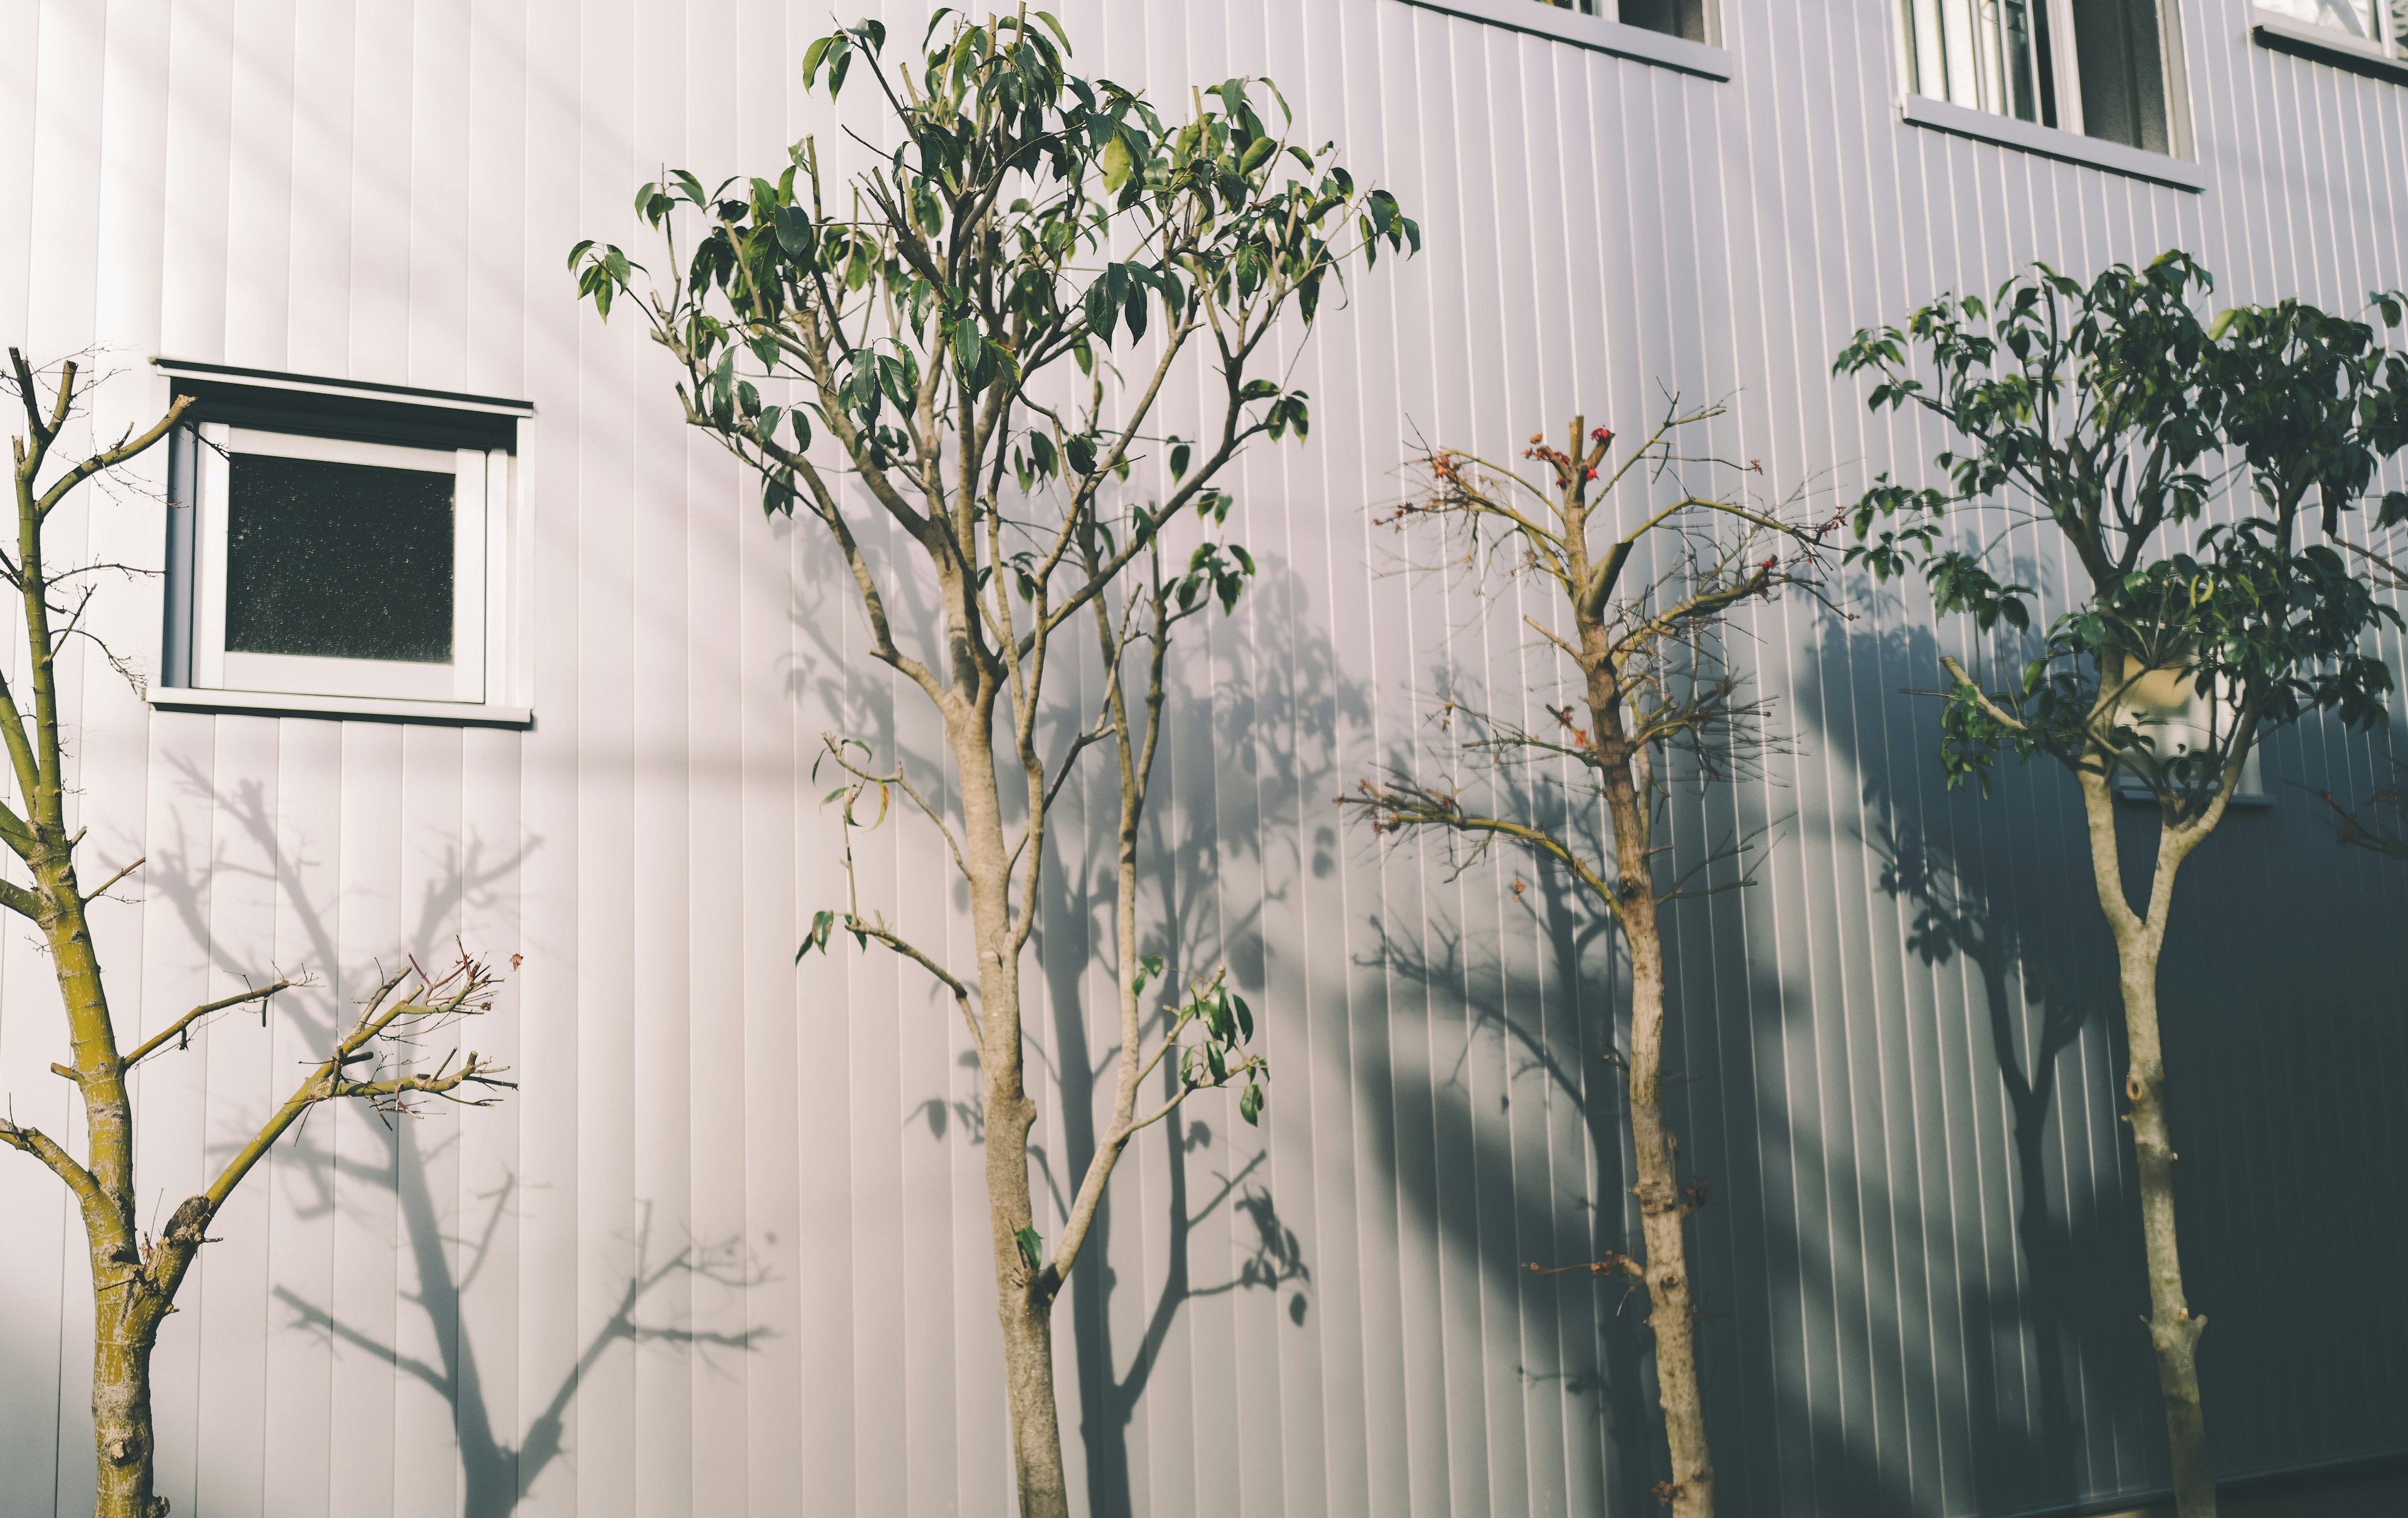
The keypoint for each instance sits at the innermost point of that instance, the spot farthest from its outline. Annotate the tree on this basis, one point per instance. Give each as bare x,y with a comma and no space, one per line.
135,1274
926,320
1638,612
2116,416
2372,824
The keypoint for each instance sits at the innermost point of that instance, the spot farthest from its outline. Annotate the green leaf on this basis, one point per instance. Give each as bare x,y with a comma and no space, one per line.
818,937
1180,455
1118,163
1032,1249
1102,314
795,232
1249,1104
1258,152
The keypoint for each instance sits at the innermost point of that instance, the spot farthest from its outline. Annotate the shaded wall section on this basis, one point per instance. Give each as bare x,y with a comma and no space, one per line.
723,1254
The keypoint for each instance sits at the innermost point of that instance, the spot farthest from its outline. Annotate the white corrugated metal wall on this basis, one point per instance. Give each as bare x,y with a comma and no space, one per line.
723,1251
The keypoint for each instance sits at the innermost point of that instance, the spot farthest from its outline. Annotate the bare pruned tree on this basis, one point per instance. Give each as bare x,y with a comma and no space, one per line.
376,1058
1638,614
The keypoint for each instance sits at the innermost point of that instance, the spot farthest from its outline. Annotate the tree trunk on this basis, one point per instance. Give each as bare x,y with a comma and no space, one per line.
1663,1210
123,1442
127,1311
1023,1306
2173,1329
1035,1422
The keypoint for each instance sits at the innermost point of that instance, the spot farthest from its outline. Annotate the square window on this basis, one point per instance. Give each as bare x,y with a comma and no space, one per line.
341,553
327,566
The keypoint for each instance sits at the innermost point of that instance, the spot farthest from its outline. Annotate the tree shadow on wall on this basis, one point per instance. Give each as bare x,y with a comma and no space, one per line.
1994,900
1604,1328
496,1474
497,1470
1289,668
1290,671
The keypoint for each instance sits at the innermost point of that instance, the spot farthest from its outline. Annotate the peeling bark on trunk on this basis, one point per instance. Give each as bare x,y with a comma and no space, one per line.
126,1310
123,1442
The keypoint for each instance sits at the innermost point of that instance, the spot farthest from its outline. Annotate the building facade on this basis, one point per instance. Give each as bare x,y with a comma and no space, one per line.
725,1249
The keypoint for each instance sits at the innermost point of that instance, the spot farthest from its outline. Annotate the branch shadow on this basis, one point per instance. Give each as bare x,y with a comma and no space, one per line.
497,1472
1185,847
2058,1390
496,1475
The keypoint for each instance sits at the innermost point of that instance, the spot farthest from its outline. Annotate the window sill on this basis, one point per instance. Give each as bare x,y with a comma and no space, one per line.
2138,791
339,708
1593,32
2049,142
2323,46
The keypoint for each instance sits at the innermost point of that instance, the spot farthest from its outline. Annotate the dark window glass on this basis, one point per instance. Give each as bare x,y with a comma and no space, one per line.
1674,17
2123,86
341,561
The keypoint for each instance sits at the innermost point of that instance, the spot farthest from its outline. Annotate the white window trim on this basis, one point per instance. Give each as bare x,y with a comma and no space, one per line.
2052,142
1596,32
2322,44
476,599
508,661
2179,169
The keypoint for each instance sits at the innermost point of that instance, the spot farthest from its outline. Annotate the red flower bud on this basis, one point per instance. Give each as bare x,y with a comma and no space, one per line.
1603,435
1592,474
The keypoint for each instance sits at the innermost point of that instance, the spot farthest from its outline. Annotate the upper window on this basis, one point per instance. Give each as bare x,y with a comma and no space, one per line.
2379,24
1689,19
339,551
2098,67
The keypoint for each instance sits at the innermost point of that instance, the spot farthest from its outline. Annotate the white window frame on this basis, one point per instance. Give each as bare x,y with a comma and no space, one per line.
479,572
2166,706
2388,26
1564,23
481,441
2177,167
2383,58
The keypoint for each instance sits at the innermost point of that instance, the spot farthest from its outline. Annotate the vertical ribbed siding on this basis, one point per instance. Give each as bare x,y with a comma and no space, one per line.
1897,1037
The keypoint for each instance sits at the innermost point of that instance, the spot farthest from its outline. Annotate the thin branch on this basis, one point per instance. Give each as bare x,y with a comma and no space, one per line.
183,1025
1990,708
91,895
879,931
43,1147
